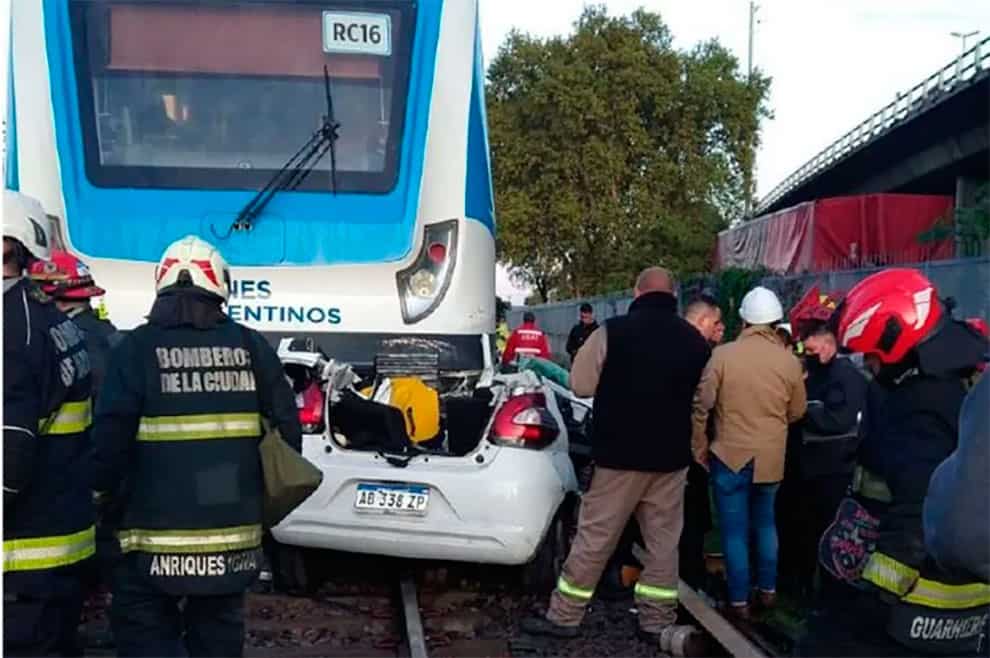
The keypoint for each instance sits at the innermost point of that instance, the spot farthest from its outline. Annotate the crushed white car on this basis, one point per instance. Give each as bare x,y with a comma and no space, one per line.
499,486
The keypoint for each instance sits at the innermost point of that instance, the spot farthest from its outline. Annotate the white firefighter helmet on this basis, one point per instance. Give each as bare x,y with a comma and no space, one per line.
761,306
24,220
195,263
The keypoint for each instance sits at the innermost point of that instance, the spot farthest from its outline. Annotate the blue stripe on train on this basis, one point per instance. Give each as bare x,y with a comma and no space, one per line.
13,180
478,201
297,228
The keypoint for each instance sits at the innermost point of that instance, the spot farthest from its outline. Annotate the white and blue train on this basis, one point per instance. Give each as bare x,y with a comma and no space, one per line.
136,122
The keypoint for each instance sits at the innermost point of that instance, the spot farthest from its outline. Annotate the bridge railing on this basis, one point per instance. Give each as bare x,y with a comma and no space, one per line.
944,81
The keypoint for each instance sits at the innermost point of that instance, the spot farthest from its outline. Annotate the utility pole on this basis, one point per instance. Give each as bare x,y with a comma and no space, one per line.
751,183
753,8
961,36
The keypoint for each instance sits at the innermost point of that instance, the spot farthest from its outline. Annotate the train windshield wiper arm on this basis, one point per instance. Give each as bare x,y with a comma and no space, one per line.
295,171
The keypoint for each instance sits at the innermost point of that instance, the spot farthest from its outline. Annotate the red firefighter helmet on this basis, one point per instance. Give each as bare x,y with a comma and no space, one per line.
813,308
64,276
888,314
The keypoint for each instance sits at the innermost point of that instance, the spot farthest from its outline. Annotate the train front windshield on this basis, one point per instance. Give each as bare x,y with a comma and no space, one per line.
219,95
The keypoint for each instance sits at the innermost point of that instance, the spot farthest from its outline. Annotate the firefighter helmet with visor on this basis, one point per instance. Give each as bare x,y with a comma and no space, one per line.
888,314
24,220
195,263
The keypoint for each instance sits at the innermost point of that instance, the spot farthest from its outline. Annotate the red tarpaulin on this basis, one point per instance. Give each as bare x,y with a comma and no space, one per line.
839,233
878,229
780,242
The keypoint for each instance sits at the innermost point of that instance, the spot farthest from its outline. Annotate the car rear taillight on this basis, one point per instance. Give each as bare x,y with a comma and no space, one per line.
524,422
311,411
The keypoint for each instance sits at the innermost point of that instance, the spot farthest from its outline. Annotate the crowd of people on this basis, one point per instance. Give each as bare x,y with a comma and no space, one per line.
813,460
163,489
818,466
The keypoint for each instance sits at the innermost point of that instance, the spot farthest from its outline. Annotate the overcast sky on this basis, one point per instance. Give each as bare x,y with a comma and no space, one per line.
833,62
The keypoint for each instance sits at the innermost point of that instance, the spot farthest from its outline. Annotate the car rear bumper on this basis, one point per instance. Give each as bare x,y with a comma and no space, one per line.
494,511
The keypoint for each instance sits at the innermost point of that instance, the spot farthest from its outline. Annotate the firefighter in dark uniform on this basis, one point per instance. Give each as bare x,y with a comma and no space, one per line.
69,282
896,599
48,531
180,414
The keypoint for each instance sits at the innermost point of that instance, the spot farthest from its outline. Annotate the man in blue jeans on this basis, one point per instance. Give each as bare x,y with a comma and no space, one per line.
755,387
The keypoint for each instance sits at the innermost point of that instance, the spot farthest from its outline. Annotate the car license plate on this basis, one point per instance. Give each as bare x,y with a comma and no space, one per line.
392,498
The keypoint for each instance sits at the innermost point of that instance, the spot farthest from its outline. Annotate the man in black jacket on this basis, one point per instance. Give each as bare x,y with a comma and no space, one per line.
580,332
822,457
643,370
836,395
704,314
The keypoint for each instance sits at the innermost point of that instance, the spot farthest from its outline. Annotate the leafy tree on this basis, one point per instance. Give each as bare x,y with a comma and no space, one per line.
969,225
612,151
729,286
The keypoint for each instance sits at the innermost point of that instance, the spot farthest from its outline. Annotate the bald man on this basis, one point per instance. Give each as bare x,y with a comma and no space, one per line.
643,369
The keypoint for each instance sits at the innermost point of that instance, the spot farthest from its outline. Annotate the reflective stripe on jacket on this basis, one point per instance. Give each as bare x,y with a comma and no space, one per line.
907,584
48,552
527,340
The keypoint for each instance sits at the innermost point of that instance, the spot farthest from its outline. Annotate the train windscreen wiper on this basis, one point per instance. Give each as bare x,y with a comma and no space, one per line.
297,169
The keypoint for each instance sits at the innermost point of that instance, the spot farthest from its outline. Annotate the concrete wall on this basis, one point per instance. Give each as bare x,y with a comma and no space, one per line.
965,280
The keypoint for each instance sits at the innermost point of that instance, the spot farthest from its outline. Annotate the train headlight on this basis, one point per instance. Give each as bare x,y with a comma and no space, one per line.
424,283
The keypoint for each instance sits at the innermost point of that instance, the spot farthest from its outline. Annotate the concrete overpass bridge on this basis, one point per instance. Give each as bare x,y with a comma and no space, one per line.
932,139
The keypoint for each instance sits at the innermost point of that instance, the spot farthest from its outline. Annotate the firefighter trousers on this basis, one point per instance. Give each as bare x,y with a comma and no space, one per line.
43,624
657,500
149,622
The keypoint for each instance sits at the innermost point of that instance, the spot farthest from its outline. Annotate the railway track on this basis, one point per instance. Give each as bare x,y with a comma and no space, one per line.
386,607
415,635
377,608
414,614
710,621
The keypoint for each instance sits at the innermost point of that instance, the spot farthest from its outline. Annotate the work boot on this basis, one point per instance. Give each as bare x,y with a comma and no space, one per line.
694,644
765,601
738,613
543,626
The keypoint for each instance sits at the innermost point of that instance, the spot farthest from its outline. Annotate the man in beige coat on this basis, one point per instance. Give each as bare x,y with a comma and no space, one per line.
755,388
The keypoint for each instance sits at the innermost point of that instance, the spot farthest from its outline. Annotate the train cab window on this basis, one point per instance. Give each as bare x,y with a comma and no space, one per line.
220,95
